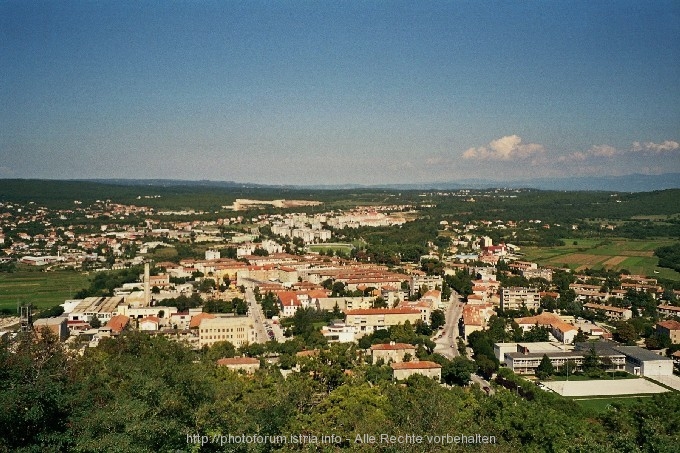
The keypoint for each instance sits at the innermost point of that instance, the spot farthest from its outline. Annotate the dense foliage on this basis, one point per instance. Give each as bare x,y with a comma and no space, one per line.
140,393
669,256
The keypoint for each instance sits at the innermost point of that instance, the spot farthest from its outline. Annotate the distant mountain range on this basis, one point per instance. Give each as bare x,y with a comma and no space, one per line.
627,183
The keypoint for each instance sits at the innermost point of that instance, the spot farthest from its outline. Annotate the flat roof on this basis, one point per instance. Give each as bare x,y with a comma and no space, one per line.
639,353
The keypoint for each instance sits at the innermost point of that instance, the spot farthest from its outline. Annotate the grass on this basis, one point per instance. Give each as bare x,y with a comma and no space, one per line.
634,255
601,404
344,248
43,289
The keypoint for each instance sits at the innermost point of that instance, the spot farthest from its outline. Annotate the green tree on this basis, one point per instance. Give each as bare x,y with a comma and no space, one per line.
545,369
458,371
437,319
626,333
486,366
580,336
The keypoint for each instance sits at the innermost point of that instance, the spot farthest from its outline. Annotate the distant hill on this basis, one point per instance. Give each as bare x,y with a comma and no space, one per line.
627,183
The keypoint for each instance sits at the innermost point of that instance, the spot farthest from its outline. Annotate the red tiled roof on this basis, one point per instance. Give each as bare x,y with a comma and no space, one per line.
196,320
150,318
423,365
391,347
383,311
670,325
238,361
117,323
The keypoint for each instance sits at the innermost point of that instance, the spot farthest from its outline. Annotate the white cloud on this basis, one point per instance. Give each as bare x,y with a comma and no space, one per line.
603,151
668,145
577,156
506,148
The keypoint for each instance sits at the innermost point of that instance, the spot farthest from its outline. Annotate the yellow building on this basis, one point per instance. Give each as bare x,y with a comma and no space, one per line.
238,330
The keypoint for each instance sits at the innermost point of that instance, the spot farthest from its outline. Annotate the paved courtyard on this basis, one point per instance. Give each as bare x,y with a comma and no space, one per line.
602,387
671,381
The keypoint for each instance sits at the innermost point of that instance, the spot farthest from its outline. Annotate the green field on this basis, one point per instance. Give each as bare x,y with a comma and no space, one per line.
600,404
344,248
637,256
43,289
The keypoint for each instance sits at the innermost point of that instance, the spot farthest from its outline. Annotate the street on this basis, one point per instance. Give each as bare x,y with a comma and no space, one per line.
449,334
261,322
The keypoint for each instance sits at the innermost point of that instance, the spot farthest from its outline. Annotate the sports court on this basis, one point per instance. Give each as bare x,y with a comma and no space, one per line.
604,387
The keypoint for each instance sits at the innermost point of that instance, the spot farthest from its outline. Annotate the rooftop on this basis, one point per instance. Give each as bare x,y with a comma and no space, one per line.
424,365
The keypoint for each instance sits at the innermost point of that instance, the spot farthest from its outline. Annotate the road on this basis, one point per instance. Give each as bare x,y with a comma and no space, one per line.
261,322
484,384
450,332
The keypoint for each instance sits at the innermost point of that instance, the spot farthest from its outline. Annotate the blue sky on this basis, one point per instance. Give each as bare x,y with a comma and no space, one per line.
338,92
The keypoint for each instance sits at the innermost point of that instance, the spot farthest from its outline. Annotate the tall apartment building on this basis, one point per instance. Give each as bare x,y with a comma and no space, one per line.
517,297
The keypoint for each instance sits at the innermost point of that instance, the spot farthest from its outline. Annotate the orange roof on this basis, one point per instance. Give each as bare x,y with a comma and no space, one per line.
670,325
309,353
151,318
391,347
544,319
237,361
383,311
289,298
317,293
424,365
196,320
563,327
117,323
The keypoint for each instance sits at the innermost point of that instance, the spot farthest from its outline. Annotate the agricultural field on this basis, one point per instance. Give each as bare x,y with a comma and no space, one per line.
637,256
43,289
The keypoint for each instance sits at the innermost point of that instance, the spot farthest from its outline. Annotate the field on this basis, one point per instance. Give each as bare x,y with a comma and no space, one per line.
43,289
344,248
604,403
637,256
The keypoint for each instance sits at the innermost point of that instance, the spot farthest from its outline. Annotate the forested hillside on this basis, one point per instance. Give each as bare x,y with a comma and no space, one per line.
148,394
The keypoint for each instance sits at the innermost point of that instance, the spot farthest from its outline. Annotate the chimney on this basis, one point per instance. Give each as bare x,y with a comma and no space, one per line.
147,289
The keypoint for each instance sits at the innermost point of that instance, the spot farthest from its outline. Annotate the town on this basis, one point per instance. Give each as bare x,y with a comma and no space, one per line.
268,288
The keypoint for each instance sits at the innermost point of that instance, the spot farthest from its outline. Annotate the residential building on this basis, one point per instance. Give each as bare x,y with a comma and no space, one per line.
614,313
404,370
425,306
669,328
339,332
668,310
392,352
291,301
561,330
247,364
515,298
367,321
475,318
419,279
